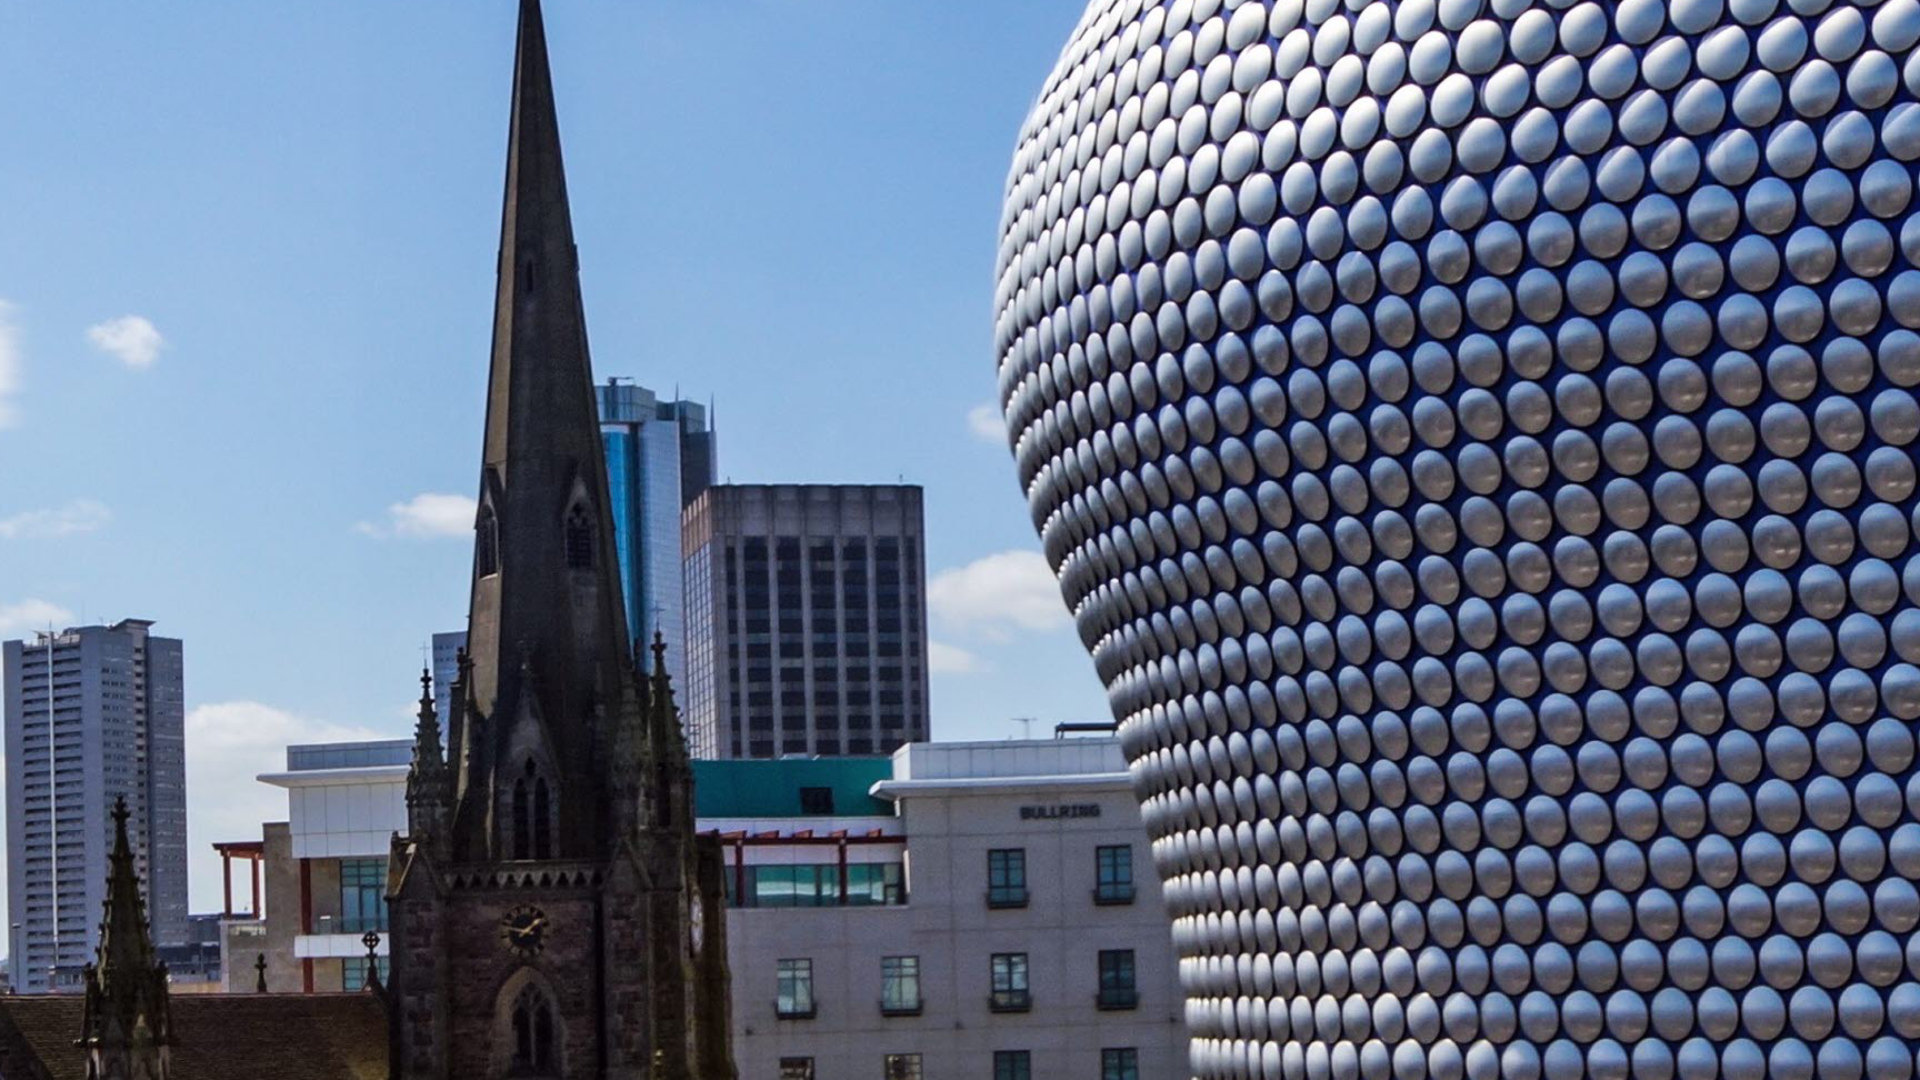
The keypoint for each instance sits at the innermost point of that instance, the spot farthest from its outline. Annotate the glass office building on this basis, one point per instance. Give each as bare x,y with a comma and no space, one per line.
659,458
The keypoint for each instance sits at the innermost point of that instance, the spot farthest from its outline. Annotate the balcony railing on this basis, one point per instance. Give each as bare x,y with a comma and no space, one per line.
1006,898
1010,1001
1117,997
1108,895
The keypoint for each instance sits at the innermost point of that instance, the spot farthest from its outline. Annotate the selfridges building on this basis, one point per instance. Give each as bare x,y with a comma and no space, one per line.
1476,440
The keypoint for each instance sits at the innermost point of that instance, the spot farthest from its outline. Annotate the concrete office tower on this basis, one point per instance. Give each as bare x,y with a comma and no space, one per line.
660,457
806,620
1475,441
112,699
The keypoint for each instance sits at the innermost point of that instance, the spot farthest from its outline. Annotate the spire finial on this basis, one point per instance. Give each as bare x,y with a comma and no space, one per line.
371,939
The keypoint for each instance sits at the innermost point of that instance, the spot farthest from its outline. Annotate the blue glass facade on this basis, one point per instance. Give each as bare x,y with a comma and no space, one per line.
623,488
659,456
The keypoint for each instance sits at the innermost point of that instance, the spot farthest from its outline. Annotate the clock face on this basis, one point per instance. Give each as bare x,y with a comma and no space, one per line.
524,930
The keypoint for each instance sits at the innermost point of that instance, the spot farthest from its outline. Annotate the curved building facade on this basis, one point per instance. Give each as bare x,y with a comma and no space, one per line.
1476,440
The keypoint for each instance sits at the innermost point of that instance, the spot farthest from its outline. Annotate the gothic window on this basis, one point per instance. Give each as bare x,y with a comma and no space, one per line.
533,1043
486,544
532,816
579,539
542,814
522,835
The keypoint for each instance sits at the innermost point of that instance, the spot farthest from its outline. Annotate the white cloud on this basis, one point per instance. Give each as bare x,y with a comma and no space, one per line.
131,339
228,744
987,424
426,516
26,616
78,516
945,659
11,364
1010,590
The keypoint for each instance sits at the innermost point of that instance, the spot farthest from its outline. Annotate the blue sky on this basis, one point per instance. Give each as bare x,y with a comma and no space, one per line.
246,258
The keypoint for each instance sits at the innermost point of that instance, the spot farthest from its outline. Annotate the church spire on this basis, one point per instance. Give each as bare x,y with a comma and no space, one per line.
427,778
126,1029
545,596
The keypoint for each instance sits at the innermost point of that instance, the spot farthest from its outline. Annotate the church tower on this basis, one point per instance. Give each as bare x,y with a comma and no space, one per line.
553,914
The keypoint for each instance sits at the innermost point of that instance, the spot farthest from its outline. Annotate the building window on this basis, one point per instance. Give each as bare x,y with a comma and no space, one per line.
1117,990
903,1067
1120,1063
1113,866
816,800
363,895
818,885
533,1033
353,972
1012,1065
796,1068
579,539
542,815
876,884
486,543
899,986
795,1001
1010,983
1007,878
532,816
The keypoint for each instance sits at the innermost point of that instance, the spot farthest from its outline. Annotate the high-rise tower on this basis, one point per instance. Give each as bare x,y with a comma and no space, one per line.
806,620
553,914
100,710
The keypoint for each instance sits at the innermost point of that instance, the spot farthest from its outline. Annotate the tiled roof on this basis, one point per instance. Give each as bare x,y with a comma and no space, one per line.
217,1037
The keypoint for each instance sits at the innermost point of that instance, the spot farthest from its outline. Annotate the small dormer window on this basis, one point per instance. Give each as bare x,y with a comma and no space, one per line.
486,544
579,539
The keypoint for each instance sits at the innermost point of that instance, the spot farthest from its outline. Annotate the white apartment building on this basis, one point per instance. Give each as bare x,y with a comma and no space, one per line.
991,910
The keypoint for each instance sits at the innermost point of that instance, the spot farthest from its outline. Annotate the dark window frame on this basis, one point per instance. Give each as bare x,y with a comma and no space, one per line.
1119,1063
793,989
1113,874
1012,1065
900,986
1008,983
1007,878
1119,980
